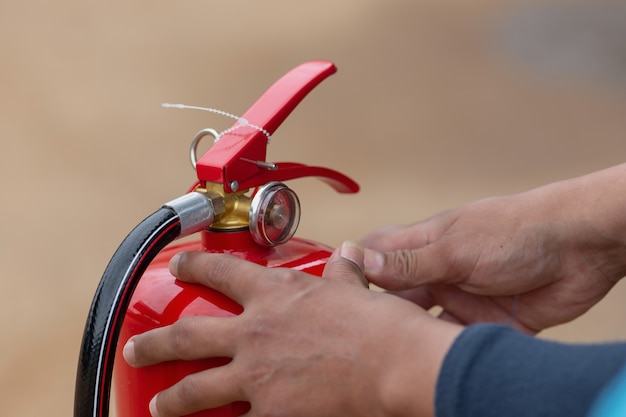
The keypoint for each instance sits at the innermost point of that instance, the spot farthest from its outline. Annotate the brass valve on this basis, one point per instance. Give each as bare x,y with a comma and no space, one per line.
235,207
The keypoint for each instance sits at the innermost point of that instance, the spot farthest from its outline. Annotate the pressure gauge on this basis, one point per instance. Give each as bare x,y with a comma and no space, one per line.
274,214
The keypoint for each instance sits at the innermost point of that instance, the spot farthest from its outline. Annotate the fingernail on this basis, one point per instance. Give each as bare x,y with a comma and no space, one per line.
153,407
374,261
352,251
173,265
129,352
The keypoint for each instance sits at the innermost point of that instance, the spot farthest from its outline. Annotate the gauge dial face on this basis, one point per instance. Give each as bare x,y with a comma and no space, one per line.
274,214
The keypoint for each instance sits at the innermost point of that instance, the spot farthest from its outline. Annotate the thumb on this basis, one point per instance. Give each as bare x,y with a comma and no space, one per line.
346,264
404,269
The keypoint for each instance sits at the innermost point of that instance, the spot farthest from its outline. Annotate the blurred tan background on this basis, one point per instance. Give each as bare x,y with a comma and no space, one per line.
436,103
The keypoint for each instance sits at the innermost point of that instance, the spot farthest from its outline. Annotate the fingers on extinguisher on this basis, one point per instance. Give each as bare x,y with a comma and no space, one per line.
346,264
190,338
200,391
231,276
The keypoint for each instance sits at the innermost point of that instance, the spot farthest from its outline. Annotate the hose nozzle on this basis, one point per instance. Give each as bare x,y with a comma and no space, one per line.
196,211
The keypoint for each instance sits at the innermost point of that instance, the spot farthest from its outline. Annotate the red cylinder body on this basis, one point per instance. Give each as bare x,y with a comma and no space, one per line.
160,300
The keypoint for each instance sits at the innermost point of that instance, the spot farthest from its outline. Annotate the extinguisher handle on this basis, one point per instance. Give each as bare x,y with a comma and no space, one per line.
290,170
237,159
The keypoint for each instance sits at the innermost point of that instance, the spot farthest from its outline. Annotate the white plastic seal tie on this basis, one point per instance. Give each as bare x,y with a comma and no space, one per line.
241,122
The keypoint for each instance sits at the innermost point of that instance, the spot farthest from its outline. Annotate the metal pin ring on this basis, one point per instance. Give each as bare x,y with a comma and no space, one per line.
193,149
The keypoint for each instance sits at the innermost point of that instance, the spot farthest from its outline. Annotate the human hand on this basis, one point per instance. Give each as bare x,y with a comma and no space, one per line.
303,346
534,259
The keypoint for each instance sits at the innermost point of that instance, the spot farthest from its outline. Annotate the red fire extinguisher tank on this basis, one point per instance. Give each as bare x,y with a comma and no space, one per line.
160,300
254,218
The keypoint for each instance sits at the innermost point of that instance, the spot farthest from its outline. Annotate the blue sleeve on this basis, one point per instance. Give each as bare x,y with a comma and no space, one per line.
494,371
612,400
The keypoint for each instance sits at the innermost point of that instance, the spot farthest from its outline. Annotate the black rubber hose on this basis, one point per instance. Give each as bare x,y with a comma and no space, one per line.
97,353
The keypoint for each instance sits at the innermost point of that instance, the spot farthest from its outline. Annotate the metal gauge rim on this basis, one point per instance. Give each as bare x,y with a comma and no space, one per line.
260,210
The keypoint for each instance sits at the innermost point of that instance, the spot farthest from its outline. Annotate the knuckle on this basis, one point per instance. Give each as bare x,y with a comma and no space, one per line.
259,331
207,269
181,337
219,266
405,262
260,376
189,391
279,281
285,276
347,270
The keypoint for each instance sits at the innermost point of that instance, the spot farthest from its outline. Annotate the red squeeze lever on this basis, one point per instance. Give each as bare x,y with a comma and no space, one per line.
237,159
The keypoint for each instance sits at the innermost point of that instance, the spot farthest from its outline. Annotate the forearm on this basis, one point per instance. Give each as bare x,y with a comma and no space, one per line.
408,386
591,214
604,212
494,371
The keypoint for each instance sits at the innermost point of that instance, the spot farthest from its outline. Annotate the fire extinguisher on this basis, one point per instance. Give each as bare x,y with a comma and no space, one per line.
240,206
